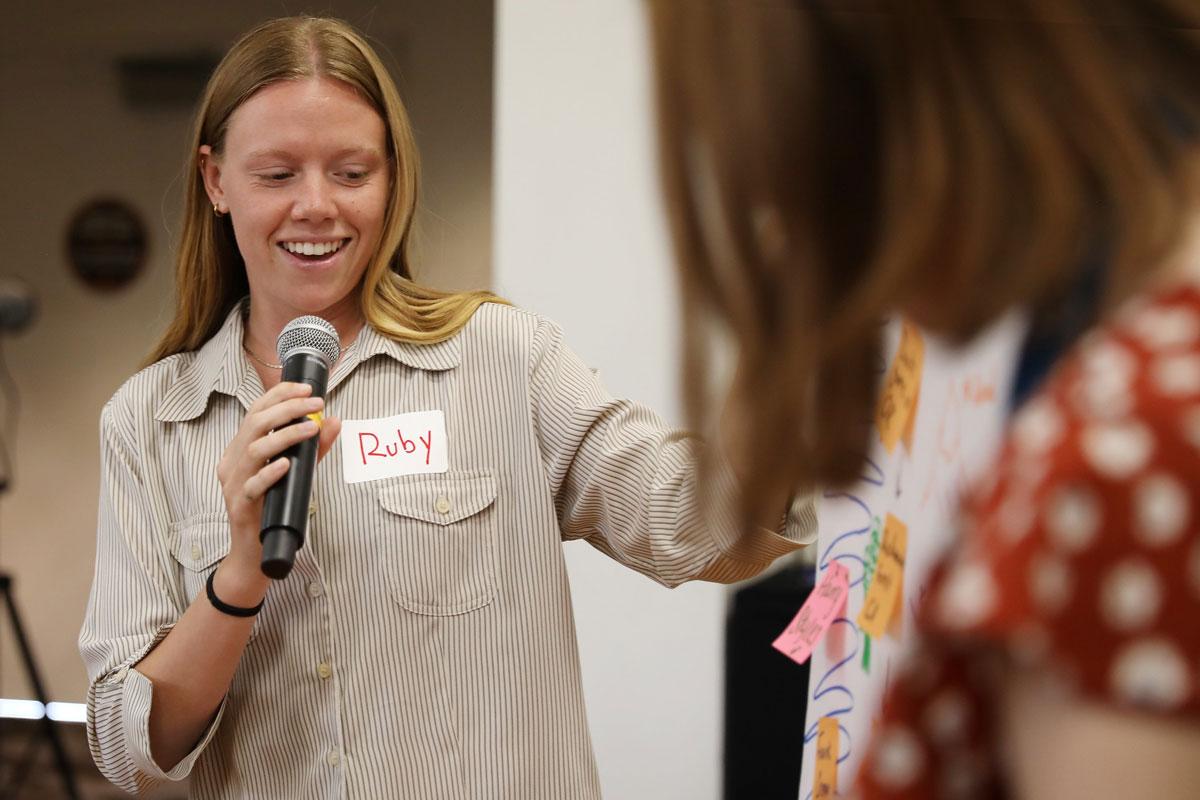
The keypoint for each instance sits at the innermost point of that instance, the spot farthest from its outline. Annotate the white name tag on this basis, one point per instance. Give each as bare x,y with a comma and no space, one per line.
406,444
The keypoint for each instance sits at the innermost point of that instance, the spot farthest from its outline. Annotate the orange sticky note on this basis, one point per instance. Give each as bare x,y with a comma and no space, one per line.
884,597
907,436
897,405
895,628
825,782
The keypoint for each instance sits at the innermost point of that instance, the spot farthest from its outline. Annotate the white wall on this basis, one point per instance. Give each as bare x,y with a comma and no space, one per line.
580,237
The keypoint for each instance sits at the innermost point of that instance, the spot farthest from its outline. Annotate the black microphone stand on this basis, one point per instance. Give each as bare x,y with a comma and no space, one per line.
47,729
17,309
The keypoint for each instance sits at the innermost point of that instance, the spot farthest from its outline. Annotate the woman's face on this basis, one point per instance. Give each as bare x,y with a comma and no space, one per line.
305,178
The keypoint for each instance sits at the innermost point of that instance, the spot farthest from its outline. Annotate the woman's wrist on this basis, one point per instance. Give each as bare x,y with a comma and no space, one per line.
240,582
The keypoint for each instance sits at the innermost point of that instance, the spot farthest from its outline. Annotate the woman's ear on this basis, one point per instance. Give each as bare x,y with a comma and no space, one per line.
210,172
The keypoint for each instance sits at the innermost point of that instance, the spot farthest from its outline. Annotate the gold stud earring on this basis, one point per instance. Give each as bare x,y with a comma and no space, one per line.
217,210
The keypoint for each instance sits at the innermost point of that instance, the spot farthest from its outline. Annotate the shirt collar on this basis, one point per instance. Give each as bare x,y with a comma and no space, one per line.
435,357
220,366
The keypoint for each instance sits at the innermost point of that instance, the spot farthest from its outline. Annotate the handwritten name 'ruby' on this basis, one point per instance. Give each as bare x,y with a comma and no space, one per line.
369,446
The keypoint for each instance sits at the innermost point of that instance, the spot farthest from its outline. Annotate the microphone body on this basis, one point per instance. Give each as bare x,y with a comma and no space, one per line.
308,348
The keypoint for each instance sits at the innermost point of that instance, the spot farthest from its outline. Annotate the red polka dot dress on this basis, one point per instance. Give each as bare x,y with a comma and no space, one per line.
1081,559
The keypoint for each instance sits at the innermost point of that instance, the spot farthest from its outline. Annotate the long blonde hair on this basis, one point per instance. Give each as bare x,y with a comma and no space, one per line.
830,162
210,273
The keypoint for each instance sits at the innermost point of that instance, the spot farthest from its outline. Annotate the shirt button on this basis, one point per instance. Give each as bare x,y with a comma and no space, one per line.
324,670
314,589
333,758
442,505
196,552
312,508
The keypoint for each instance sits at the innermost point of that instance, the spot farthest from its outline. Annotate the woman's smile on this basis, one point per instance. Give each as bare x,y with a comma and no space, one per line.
308,254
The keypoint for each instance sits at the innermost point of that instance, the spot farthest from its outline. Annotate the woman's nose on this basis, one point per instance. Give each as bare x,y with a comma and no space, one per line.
315,201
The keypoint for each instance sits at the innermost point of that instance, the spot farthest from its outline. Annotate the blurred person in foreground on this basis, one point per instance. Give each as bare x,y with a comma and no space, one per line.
828,164
423,646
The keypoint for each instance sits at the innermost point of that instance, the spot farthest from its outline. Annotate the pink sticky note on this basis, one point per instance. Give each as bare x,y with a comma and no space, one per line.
815,616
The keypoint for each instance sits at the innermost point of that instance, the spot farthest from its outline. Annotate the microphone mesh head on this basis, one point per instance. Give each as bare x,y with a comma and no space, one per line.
310,334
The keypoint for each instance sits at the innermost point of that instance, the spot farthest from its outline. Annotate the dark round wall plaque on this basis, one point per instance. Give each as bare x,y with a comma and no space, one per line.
106,244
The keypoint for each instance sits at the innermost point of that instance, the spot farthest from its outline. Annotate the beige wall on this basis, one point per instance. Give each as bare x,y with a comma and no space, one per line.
65,139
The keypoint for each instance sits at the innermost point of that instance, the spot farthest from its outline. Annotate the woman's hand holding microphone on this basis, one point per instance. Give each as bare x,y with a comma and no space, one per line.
249,466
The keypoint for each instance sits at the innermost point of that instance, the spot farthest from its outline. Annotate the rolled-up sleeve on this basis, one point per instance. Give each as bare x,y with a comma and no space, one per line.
629,483
133,605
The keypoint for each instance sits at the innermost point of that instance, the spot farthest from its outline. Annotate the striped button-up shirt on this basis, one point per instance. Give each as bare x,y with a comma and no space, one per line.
423,646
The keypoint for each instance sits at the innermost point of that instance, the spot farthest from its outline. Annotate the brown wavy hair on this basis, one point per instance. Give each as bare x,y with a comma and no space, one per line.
210,274
828,163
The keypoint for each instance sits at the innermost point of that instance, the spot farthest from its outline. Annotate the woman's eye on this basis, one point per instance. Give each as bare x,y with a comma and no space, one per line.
273,176
355,175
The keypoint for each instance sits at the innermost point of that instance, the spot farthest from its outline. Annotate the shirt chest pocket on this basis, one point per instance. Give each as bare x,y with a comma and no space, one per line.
440,542
199,543
198,546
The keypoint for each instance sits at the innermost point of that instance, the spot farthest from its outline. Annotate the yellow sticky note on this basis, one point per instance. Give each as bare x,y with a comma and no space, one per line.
897,407
885,595
825,782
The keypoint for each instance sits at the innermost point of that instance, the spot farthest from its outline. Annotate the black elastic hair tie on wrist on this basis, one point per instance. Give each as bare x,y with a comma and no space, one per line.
225,608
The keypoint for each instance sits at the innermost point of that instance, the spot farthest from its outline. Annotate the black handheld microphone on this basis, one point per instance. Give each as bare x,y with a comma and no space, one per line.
308,348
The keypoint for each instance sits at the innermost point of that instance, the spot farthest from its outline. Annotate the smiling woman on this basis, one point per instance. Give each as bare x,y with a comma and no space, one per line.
423,643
